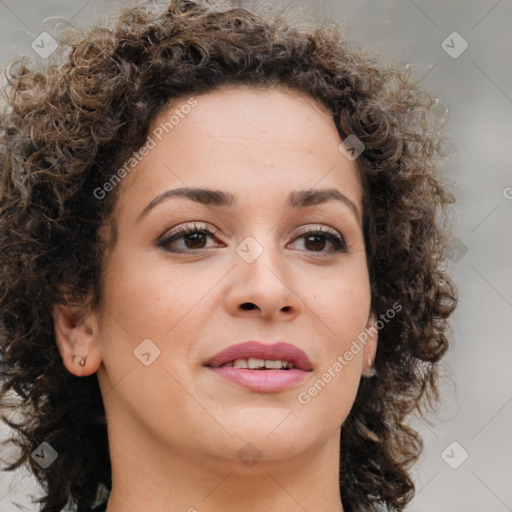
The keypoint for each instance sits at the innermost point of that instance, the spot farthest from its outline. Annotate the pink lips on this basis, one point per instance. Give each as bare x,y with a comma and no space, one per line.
262,380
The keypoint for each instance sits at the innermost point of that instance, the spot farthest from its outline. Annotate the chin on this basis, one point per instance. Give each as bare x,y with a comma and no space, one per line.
272,435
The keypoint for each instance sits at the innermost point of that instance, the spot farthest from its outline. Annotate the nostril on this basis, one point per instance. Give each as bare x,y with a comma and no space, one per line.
248,305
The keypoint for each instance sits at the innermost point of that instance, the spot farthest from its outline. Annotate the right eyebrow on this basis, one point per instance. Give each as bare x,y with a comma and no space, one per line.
208,197
220,198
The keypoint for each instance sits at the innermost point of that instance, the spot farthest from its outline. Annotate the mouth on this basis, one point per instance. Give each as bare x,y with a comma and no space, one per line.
261,367
254,363
257,355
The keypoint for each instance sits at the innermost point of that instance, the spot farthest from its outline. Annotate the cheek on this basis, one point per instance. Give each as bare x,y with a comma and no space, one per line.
148,298
342,304
166,304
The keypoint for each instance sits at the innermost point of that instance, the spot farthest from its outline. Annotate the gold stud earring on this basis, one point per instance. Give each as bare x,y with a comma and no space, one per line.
82,361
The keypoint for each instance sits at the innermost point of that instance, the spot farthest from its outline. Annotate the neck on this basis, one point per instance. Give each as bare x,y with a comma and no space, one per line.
147,477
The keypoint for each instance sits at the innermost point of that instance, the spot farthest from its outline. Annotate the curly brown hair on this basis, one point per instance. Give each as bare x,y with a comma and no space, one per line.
66,128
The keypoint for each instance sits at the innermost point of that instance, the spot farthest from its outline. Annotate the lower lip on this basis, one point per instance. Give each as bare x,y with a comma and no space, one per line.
262,381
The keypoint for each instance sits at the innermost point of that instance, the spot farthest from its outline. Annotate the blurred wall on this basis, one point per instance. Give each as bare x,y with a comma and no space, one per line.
460,52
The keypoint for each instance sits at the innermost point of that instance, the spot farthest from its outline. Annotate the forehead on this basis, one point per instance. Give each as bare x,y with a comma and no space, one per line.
244,139
274,115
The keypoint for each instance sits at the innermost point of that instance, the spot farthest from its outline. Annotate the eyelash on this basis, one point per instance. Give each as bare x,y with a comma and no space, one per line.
337,241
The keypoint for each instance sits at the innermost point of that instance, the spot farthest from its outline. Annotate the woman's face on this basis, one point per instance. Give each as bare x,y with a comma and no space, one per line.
254,269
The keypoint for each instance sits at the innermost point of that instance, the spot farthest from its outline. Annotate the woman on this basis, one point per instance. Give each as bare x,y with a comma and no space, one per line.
222,267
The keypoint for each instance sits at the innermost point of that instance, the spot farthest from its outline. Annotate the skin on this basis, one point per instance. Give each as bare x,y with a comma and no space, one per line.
175,428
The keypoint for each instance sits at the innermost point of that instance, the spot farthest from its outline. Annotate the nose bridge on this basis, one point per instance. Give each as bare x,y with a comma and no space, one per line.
263,275
262,258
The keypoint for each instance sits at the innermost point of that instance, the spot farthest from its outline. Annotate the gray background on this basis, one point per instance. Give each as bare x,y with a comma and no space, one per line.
476,88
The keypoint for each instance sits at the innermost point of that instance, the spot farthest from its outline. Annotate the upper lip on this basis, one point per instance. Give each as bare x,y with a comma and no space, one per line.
275,351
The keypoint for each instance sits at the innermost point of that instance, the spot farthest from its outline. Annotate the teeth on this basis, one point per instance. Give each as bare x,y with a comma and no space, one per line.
274,364
253,363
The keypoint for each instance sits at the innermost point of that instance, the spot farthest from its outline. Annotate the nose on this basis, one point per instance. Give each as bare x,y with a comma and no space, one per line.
265,288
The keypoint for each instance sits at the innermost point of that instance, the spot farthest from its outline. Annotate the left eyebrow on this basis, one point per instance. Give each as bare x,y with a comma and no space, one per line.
220,198
304,198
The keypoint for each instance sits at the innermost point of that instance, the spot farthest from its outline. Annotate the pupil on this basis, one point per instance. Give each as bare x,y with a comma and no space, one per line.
194,238
317,238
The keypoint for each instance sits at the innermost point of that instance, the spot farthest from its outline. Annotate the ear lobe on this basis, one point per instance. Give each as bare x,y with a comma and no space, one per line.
370,347
75,330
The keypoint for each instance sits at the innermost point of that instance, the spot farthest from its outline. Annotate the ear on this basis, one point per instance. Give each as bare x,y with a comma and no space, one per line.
76,332
370,346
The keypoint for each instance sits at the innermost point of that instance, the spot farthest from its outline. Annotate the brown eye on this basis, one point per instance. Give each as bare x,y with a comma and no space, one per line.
195,240
185,239
316,241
